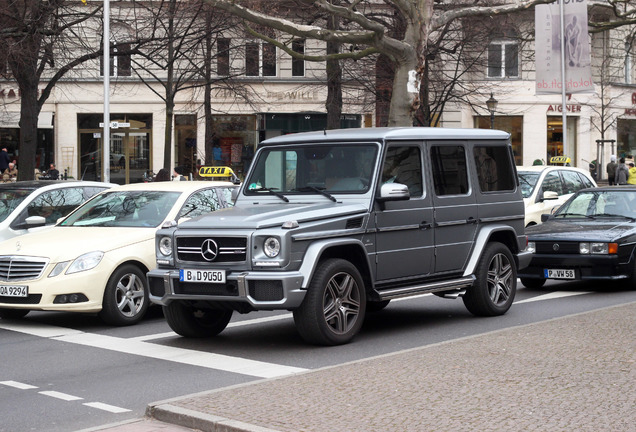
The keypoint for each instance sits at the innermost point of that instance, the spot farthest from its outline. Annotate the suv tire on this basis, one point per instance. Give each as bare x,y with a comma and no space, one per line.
333,310
195,322
495,282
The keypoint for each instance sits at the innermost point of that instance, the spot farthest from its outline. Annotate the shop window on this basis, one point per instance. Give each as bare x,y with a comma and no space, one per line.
298,65
223,57
503,59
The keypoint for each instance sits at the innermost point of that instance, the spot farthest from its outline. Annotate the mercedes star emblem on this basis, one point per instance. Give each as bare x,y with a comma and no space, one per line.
209,250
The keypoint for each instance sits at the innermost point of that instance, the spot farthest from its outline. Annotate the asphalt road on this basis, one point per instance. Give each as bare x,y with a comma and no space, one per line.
65,372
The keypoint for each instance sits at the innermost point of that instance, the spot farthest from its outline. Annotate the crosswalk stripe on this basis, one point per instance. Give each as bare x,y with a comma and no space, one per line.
135,347
553,295
58,395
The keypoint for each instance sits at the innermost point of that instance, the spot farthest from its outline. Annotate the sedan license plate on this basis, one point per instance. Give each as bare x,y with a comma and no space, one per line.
212,276
14,291
559,274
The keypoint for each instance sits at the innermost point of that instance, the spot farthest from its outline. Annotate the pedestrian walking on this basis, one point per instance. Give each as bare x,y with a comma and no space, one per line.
611,170
632,174
4,160
622,172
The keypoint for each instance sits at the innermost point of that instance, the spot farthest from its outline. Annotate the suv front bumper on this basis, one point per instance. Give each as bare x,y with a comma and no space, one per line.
261,290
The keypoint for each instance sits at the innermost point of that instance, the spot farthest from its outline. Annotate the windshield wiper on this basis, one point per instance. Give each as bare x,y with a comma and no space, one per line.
271,191
317,190
613,215
574,214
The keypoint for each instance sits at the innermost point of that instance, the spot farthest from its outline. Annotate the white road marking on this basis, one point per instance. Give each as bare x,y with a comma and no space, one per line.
141,348
58,395
18,385
106,407
553,295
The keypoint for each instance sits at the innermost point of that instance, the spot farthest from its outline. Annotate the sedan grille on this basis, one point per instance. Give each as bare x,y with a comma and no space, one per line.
556,247
212,249
17,268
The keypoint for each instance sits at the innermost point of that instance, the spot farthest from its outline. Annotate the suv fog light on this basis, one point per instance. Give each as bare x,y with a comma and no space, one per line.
271,247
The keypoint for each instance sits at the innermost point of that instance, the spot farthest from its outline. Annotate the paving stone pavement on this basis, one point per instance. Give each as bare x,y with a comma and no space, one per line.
576,373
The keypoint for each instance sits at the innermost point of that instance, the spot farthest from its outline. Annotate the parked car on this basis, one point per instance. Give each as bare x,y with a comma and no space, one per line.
96,259
25,205
334,223
545,188
590,237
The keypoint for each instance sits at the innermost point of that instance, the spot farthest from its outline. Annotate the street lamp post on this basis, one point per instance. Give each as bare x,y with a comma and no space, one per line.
492,107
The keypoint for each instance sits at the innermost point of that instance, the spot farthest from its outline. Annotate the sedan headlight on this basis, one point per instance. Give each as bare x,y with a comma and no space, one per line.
85,262
271,247
598,248
532,247
165,246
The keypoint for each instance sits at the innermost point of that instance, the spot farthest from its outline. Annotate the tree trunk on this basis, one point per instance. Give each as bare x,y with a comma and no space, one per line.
334,81
29,112
167,151
401,110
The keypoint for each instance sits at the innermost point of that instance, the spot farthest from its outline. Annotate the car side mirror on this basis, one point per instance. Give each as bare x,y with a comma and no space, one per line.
546,217
550,195
35,221
394,192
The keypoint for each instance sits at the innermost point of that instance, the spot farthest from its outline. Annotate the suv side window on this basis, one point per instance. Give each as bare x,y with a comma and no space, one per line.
450,176
200,202
404,165
552,182
494,169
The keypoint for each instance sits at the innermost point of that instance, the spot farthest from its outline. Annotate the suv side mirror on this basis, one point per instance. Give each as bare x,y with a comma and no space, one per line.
394,192
550,195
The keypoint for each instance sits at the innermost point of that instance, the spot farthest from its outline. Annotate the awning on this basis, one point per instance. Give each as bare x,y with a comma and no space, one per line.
11,119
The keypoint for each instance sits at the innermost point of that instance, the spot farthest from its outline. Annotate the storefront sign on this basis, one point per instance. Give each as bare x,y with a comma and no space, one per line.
630,111
569,108
292,95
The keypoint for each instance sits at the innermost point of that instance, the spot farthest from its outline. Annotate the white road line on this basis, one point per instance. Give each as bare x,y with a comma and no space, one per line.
553,295
58,395
18,385
140,348
106,407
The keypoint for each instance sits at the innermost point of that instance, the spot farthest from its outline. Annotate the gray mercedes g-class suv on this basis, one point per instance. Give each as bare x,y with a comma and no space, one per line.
336,223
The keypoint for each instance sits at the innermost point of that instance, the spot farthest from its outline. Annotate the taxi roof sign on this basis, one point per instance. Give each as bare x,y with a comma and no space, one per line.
218,171
560,160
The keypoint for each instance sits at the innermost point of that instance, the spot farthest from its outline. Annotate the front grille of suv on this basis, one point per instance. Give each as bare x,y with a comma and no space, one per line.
14,268
230,249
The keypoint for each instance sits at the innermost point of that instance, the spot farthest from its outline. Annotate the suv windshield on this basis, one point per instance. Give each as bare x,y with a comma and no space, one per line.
528,181
124,209
313,169
10,199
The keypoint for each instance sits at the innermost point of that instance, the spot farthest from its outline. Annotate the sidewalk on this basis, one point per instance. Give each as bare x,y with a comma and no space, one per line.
576,373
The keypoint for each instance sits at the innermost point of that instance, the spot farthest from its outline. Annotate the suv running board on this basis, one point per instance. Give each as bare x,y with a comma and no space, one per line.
457,286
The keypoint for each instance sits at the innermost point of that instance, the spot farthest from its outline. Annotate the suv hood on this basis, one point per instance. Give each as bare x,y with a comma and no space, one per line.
67,243
606,230
271,215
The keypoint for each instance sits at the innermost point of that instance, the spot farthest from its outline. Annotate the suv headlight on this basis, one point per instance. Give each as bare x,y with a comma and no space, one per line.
165,246
85,262
271,247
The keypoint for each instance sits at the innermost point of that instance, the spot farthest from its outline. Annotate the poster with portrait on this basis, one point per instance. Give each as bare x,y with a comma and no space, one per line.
576,46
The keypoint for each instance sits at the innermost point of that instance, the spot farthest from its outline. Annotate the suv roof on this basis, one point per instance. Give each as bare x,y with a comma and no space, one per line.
404,133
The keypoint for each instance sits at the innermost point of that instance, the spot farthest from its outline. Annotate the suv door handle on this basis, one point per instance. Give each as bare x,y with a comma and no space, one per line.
425,225
471,220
